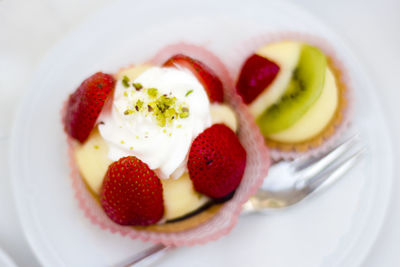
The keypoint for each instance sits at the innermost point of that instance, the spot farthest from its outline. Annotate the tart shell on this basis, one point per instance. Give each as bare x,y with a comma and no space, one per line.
340,121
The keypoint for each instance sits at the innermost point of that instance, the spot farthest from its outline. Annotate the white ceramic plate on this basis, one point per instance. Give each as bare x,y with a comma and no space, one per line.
336,228
5,260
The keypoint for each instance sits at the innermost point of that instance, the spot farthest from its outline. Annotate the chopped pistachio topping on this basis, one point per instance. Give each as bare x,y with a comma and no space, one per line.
131,148
139,105
164,108
137,86
183,115
128,112
96,147
152,92
125,81
184,112
122,142
161,121
189,92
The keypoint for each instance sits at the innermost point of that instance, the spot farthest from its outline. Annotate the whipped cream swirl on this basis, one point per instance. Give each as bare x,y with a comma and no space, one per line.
135,126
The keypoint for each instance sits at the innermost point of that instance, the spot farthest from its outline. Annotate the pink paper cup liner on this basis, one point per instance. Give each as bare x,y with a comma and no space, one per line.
258,162
337,130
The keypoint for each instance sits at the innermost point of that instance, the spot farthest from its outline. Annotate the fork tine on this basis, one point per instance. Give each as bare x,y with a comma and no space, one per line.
333,174
310,168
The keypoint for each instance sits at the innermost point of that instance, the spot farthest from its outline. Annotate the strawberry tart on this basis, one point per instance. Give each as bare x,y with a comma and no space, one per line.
160,149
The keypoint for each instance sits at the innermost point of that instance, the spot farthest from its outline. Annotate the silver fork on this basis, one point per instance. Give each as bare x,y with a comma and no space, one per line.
288,183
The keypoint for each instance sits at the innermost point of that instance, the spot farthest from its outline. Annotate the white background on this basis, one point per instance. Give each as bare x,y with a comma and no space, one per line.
28,29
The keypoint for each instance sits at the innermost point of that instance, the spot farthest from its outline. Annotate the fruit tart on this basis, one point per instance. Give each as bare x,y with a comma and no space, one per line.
157,151
297,95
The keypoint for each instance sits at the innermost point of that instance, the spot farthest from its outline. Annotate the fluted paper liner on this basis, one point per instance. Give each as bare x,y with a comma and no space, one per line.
214,222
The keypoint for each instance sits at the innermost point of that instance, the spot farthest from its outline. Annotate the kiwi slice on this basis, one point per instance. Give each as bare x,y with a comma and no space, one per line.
303,90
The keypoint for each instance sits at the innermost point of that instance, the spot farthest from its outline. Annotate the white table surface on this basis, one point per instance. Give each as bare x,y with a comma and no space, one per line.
28,29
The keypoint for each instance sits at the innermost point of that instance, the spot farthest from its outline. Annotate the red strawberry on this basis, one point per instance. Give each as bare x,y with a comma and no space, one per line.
216,161
204,74
132,193
86,103
256,75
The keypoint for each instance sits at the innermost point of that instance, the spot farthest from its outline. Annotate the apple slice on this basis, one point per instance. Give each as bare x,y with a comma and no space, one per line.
92,160
180,198
224,114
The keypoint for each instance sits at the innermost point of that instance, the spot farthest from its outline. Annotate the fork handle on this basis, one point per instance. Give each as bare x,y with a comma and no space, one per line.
151,253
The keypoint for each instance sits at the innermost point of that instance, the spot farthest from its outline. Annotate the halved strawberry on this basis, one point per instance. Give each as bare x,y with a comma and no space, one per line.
217,161
86,103
131,193
256,75
204,74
